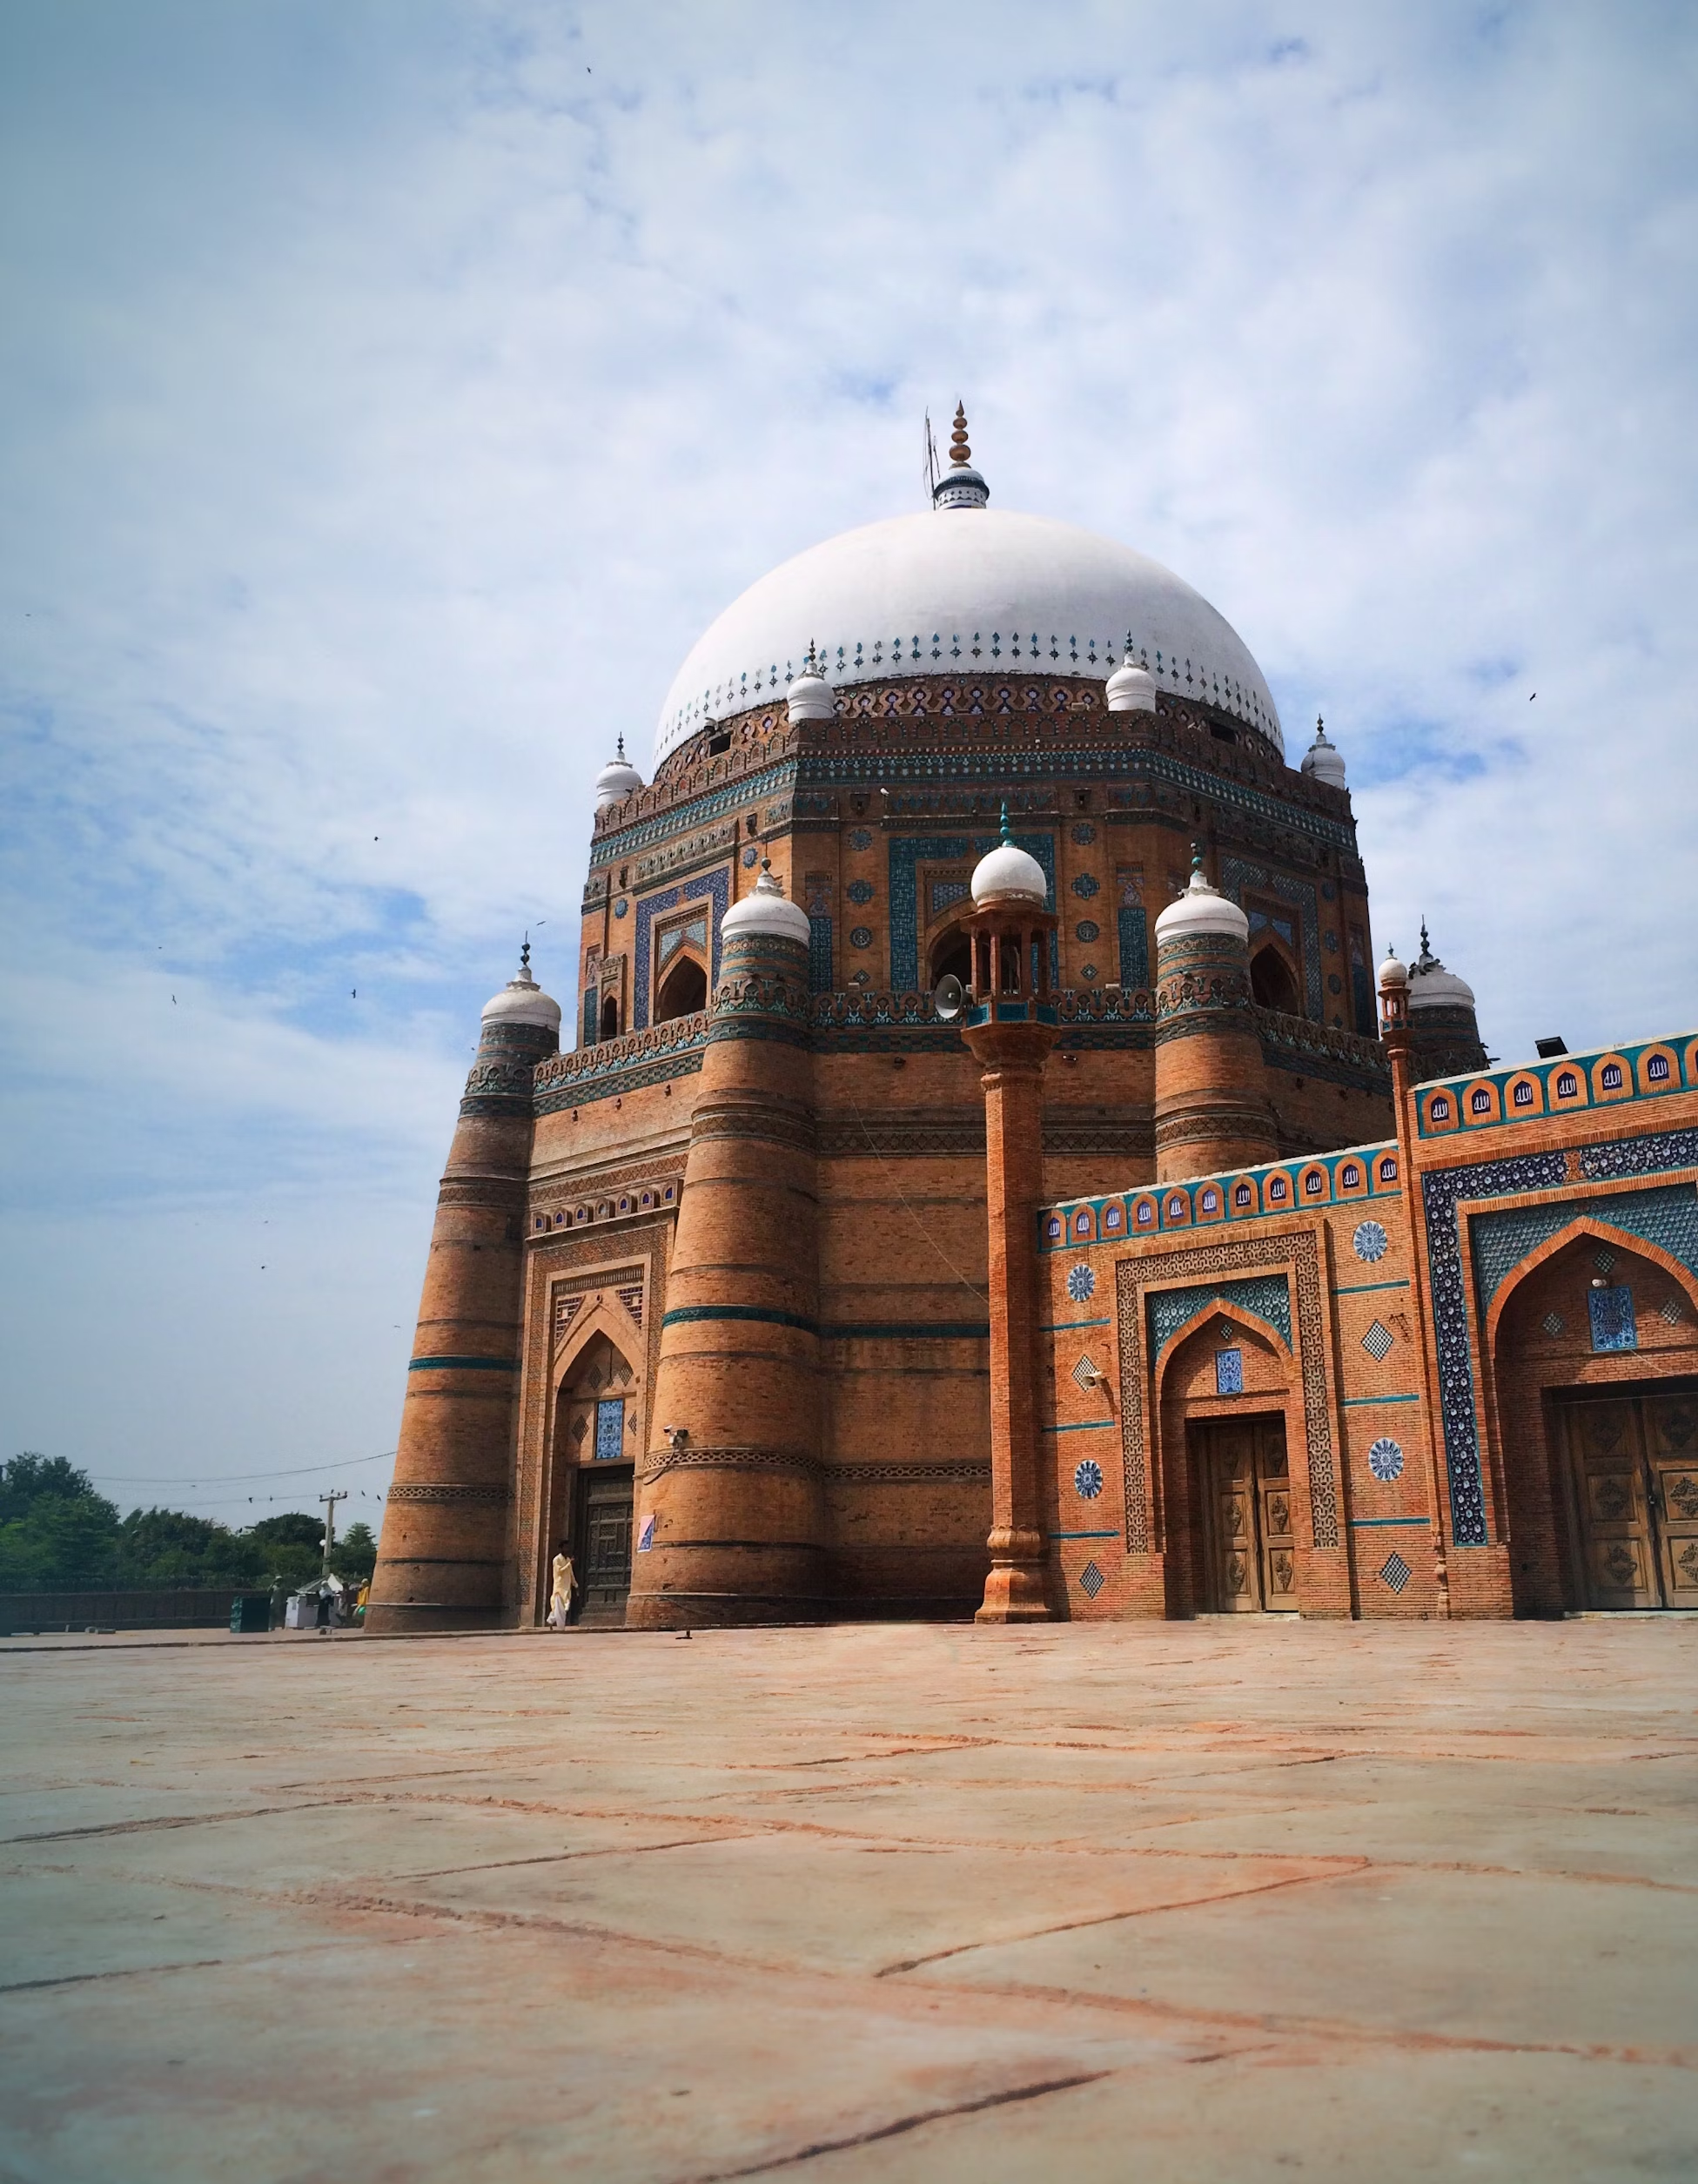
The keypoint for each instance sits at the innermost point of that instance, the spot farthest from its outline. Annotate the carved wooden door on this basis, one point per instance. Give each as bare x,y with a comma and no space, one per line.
1618,1554
606,1565
1279,1542
1671,1448
1252,1548
1232,1473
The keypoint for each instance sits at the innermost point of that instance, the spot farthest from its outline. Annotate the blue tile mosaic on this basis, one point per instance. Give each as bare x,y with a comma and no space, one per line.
859,890
1377,1341
860,838
1395,1572
610,1429
860,936
1084,887
1087,1480
1368,1241
1385,1460
1091,1581
1612,1323
1081,1284
1667,1217
1084,834
1440,1190
1134,935
821,974
1237,873
1229,1372
716,886
1266,1297
1086,930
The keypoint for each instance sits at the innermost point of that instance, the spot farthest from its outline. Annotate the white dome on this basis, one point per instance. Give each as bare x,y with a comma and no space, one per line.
766,911
1201,908
1132,688
522,1000
1392,972
1322,761
1431,986
1009,874
916,594
809,696
616,780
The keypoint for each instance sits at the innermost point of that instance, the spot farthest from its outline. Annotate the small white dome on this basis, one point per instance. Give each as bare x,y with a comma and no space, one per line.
522,1000
767,910
616,780
1322,761
809,696
1132,688
1007,874
1392,973
1431,986
1201,908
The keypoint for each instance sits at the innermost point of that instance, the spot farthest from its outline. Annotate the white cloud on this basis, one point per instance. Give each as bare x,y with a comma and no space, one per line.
393,394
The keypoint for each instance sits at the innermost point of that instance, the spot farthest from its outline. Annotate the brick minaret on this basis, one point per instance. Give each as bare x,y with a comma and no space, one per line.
1011,1025
733,1481
1211,1102
443,1559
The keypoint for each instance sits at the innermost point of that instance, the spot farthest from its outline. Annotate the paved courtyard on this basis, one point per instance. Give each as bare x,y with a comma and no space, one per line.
1176,1902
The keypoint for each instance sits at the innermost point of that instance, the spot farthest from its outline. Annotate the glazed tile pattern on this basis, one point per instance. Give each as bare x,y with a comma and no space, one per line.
1237,873
906,851
1224,1256
1266,1296
716,886
1666,1217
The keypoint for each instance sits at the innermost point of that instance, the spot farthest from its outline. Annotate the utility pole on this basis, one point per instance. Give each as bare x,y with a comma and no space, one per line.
329,1501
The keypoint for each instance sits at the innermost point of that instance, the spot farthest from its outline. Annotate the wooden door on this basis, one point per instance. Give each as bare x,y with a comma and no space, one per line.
1247,1489
1231,1461
1618,1556
1279,1542
1671,1449
606,1566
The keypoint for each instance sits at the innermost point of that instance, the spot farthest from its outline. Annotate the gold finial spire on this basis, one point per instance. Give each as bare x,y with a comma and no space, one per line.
960,453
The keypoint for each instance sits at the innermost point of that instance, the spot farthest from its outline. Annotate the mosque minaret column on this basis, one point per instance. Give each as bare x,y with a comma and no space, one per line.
1212,1110
445,1550
1011,1025
731,1500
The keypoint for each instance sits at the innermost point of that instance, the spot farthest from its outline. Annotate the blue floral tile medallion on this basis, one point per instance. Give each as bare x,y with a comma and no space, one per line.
1369,1241
1386,1461
1087,1480
1081,1284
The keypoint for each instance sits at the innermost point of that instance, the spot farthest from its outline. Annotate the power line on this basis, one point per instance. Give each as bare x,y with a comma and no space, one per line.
232,1478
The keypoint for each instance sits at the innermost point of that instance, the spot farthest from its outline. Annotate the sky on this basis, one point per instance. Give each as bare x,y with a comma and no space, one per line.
392,391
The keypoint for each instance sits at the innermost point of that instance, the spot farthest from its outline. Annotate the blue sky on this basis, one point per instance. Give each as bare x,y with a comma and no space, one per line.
392,392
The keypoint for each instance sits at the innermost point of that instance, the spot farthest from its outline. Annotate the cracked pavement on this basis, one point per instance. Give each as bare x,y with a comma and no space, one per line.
1231,1899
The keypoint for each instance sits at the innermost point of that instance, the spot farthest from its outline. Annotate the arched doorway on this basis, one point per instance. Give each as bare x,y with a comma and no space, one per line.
1272,982
951,956
598,1430
610,1017
1594,1347
1228,1494
682,991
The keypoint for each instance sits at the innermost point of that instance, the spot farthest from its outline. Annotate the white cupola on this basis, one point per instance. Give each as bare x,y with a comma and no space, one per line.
1393,974
1322,761
766,911
1007,874
1201,908
809,696
1431,986
1131,687
522,1000
616,780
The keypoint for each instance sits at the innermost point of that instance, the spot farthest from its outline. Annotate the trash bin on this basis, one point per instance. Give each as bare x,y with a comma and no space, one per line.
251,1614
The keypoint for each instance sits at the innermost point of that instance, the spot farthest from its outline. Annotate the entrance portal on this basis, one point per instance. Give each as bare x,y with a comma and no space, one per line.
1250,1551
604,1543
1632,1467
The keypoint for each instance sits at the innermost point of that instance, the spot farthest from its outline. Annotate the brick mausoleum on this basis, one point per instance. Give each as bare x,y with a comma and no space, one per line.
806,1286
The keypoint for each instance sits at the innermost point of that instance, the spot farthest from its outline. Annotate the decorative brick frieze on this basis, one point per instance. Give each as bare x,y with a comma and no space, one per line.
452,1496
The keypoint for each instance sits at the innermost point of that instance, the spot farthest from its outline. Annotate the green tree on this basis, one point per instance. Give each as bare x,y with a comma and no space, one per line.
55,1529
355,1555
290,1546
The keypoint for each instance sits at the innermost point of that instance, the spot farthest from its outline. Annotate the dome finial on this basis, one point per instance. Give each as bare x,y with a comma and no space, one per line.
1008,833
525,958
1427,950
961,486
1197,857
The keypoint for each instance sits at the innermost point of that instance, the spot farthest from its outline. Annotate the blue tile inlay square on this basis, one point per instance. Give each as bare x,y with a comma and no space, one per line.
1612,1323
610,1429
1229,1372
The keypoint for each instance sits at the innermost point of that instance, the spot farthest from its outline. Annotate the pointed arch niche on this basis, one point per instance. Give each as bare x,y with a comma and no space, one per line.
1590,1315
1229,1395
598,1416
